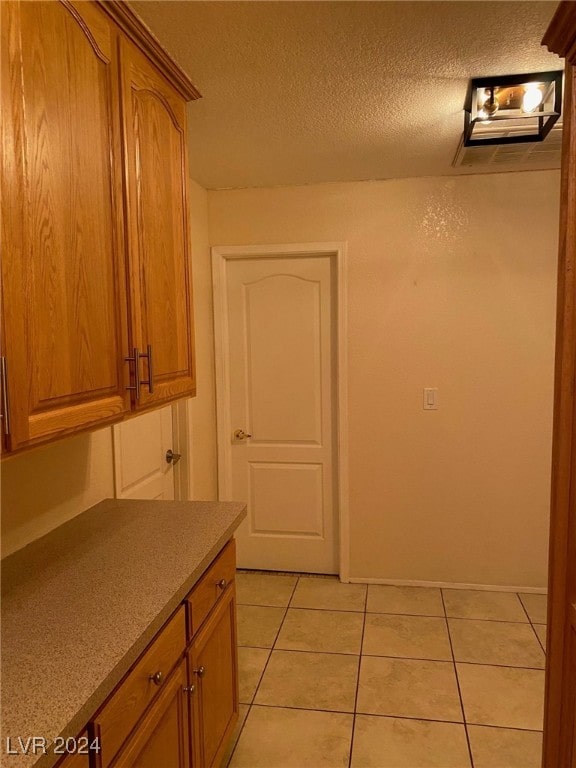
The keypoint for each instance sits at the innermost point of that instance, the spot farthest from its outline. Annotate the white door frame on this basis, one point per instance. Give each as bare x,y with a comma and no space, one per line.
337,252
182,436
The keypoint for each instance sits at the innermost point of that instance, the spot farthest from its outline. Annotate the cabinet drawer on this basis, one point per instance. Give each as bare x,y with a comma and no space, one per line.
211,587
127,704
79,759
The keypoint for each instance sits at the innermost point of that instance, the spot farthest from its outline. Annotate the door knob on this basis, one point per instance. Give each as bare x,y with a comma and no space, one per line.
239,434
172,458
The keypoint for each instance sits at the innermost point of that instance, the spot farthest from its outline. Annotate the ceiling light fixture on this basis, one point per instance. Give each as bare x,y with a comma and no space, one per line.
512,108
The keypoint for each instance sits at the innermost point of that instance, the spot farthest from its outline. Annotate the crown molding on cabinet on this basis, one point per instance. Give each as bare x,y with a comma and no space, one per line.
138,32
560,37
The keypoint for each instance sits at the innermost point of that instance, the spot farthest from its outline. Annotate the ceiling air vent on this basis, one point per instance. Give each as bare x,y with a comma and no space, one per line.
532,155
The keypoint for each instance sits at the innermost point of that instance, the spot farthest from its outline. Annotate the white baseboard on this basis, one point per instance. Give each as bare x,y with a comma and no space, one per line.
448,585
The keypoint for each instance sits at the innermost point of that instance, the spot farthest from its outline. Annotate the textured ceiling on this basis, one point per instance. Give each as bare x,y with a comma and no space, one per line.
303,92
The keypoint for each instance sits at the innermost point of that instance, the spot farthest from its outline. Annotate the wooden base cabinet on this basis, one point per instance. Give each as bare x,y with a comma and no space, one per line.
163,735
178,704
75,761
213,670
78,759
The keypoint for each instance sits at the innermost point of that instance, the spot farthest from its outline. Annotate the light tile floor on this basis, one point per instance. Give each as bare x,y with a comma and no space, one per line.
354,676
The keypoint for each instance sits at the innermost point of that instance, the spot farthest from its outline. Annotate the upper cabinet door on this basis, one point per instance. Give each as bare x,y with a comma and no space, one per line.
154,125
63,268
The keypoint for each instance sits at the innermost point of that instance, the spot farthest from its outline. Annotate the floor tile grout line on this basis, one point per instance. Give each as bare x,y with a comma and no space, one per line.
538,637
532,624
490,621
262,605
320,610
249,703
303,709
453,722
528,622
453,660
399,658
358,678
457,683
273,647
263,670
506,728
367,714
297,574
519,594
284,617
482,618
398,717
298,650
239,735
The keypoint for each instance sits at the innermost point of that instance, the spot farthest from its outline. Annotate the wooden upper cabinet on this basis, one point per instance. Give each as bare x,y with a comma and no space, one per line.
63,268
95,239
155,143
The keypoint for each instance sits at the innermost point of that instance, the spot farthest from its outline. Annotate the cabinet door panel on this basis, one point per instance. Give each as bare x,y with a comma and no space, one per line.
63,266
125,707
162,738
216,696
156,158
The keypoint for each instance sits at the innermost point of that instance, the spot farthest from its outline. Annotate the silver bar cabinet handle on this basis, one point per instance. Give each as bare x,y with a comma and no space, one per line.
136,360
5,398
150,380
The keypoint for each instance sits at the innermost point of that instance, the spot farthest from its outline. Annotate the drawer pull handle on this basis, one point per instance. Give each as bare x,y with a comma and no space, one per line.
135,358
222,583
156,678
150,379
189,689
201,671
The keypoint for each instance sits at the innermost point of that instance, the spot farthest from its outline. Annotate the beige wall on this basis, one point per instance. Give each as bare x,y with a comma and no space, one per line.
202,409
451,284
48,486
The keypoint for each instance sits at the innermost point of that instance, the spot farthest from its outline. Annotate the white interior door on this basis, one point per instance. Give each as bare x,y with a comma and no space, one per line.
281,364
140,467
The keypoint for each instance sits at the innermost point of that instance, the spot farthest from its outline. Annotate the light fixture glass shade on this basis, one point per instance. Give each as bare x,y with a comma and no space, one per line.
512,108
533,97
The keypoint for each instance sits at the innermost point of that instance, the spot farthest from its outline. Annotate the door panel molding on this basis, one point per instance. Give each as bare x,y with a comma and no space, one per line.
337,252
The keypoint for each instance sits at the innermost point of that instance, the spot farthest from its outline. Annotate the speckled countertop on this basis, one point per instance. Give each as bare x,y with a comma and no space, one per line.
80,604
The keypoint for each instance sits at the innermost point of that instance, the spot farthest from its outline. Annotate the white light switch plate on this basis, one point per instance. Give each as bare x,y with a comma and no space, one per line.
430,398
